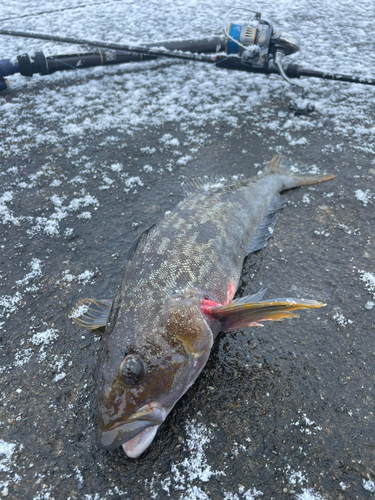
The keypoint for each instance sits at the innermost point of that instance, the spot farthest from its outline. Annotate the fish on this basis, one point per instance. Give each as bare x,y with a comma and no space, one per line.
177,294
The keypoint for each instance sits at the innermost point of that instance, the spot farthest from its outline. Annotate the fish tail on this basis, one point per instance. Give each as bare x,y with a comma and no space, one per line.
292,171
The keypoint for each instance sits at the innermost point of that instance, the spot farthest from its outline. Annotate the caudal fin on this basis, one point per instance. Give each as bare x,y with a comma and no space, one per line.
293,171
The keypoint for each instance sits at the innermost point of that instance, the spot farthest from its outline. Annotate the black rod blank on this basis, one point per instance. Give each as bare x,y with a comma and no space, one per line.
154,51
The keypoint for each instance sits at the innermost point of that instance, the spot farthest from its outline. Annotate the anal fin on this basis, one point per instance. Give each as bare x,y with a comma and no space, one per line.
91,313
247,312
265,229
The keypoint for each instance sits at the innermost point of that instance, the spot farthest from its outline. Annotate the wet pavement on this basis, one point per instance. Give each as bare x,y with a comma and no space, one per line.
285,407
285,411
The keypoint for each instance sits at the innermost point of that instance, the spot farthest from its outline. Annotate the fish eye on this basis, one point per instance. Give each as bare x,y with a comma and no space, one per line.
132,370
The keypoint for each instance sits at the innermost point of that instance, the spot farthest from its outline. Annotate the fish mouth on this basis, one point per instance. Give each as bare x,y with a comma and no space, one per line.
143,425
139,443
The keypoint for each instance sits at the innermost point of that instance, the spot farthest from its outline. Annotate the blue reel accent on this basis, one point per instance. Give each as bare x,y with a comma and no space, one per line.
234,32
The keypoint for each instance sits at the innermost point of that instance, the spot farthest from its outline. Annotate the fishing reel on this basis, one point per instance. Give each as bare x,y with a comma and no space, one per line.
258,44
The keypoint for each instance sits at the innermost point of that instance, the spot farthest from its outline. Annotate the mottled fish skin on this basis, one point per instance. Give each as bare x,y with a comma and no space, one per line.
194,253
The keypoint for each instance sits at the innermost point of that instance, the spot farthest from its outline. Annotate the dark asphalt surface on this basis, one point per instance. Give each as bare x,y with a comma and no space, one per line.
288,409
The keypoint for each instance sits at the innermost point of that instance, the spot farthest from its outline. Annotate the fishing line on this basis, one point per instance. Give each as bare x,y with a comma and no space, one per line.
42,13
63,62
108,45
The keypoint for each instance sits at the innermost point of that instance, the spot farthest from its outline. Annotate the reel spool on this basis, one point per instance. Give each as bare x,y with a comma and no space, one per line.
251,41
258,44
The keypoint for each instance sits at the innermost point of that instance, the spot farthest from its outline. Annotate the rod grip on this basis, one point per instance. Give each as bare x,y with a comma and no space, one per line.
8,67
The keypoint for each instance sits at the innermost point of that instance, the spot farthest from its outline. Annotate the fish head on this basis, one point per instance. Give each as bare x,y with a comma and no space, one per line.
138,384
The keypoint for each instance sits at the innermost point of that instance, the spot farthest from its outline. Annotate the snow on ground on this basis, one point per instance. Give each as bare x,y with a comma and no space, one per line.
369,281
197,468
129,97
183,92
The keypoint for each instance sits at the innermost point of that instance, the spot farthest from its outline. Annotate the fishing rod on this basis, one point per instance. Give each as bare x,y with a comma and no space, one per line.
254,47
28,65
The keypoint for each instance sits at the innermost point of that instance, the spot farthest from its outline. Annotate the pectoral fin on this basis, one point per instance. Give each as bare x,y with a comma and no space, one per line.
91,313
245,312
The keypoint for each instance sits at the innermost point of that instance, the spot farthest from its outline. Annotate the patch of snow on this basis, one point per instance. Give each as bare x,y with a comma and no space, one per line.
86,277
309,494
184,160
369,281
45,493
196,467
83,278
44,337
250,494
59,376
322,232
132,182
368,485
117,167
51,225
84,215
22,357
237,448
306,425
341,320
169,140
305,198
9,304
148,150
194,493
36,272
297,478
364,196
6,216
6,452
67,276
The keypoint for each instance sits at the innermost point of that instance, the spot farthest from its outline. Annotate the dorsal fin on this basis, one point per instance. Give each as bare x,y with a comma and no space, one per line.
265,229
209,184
205,184
138,244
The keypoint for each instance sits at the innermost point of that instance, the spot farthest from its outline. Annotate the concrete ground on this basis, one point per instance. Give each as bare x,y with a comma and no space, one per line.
284,411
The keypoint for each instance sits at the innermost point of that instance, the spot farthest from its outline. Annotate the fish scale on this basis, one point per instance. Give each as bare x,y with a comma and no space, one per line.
209,264
176,295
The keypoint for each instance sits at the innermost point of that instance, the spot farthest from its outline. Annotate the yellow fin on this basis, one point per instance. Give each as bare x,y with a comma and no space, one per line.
240,313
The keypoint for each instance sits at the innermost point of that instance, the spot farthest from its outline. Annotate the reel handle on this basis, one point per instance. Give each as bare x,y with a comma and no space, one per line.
279,56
